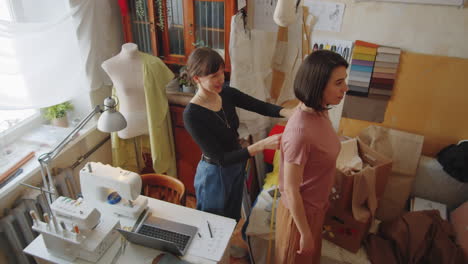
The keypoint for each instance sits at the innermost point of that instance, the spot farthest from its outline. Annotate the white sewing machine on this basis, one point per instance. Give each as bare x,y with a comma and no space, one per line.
98,181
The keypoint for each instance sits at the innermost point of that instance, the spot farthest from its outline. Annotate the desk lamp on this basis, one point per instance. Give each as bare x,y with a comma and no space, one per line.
110,120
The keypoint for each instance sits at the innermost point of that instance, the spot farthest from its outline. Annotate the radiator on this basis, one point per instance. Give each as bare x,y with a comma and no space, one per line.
15,227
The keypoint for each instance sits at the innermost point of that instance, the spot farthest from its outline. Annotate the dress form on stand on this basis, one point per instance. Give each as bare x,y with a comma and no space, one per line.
126,72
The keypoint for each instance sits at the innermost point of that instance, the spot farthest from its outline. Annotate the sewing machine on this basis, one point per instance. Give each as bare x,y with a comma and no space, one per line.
99,183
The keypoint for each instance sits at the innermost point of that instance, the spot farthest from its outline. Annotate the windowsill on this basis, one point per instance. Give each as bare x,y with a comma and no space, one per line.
40,141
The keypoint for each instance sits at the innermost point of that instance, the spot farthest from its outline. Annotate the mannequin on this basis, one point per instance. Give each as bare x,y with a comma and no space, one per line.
126,72
285,12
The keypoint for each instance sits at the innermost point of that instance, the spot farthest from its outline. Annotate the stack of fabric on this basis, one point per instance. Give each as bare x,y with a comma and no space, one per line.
361,68
385,69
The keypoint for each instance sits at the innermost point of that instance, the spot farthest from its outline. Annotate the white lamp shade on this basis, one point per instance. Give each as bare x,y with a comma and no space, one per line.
111,121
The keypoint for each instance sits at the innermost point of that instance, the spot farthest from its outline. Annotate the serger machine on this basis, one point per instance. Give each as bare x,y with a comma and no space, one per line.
76,230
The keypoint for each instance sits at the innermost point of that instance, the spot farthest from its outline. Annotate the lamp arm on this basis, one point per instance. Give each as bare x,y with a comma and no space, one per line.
46,158
54,153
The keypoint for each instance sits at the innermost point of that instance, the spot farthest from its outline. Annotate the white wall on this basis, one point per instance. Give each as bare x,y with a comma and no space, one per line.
429,29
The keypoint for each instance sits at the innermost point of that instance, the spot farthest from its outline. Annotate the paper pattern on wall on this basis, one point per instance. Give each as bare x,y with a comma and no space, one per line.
329,15
342,47
241,4
263,17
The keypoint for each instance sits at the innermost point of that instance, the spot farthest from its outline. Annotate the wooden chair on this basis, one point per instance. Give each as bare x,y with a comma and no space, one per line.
163,187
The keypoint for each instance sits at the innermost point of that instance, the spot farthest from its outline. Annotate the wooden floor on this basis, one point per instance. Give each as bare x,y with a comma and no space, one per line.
236,238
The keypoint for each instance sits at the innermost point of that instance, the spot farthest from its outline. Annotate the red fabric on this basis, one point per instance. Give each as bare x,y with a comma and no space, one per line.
365,44
123,7
269,154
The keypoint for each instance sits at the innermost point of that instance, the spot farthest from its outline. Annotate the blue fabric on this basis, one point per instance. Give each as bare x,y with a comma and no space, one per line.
361,68
219,189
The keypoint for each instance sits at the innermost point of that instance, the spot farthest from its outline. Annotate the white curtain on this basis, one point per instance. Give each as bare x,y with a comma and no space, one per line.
48,54
99,33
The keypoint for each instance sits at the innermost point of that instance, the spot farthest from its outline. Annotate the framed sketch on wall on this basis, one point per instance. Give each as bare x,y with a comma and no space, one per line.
428,2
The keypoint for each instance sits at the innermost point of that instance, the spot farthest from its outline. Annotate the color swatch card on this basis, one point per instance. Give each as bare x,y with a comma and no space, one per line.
362,66
385,72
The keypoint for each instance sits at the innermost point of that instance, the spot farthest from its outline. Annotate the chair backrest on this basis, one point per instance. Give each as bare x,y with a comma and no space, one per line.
163,187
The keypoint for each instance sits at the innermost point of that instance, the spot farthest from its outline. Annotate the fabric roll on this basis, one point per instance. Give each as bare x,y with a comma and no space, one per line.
358,83
360,74
386,92
358,88
366,57
365,50
389,50
386,64
384,75
379,97
362,63
356,93
385,70
359,78
381,85
365,44
382,80
361,68
385,57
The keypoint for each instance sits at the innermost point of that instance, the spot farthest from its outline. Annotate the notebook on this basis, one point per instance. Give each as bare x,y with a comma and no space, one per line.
162,234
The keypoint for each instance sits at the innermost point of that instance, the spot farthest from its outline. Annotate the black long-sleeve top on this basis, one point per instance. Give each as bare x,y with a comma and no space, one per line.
210,131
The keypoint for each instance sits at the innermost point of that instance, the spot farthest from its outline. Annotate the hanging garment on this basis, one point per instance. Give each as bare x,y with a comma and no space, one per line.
127,153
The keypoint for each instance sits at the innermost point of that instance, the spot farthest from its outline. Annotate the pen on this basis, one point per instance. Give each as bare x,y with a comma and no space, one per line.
209,228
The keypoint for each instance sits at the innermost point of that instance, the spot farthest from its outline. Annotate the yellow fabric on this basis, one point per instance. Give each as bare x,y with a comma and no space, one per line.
124,152
160,140
271,179
366,57
365,50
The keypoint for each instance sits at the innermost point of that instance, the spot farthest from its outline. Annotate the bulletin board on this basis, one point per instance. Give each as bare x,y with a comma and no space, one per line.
430,99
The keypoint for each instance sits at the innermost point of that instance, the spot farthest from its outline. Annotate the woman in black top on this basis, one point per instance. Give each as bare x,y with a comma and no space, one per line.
211,120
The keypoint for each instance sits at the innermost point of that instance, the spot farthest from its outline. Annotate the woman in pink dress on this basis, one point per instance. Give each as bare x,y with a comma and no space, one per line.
309,149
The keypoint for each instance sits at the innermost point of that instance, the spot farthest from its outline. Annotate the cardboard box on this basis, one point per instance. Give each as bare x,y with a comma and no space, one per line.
342,194
341,228
405,150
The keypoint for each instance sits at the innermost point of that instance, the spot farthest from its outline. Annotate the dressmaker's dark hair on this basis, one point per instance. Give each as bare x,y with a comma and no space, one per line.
313,75
203,61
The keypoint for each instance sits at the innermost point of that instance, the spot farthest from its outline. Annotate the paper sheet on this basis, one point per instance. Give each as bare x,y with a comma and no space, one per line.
342,47
241,4
204,245
329,15
263,17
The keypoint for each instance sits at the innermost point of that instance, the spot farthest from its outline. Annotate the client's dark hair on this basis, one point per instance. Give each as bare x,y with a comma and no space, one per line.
313,75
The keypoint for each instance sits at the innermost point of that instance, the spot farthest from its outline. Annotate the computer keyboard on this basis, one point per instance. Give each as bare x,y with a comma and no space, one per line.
180,240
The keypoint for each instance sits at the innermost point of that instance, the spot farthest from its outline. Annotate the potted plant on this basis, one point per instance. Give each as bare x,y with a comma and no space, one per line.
57,114
185,83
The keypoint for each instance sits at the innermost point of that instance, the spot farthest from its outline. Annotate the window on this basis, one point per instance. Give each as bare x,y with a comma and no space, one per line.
9,119
172,29
27,72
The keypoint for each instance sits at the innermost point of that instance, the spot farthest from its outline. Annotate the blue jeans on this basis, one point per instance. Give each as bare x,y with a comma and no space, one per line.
219,189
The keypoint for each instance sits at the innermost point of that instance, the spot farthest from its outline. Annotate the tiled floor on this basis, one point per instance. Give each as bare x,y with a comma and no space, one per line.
236,238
